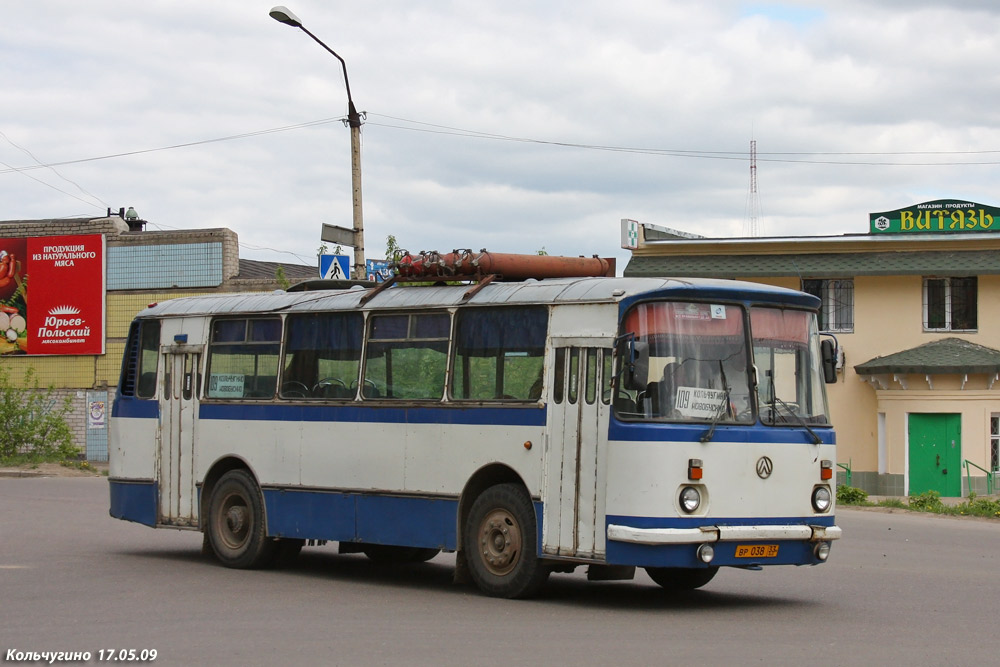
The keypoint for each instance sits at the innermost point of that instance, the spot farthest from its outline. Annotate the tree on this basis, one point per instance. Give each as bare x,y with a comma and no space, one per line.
392,250
280,278
33,423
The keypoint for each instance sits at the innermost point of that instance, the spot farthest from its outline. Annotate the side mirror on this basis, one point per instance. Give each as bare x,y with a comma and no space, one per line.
637,366
828,351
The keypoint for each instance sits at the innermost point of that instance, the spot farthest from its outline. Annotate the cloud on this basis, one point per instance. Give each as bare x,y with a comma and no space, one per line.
586,105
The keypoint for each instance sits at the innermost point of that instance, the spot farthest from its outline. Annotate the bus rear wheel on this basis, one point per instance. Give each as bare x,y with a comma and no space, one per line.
236,527
501,544
681,578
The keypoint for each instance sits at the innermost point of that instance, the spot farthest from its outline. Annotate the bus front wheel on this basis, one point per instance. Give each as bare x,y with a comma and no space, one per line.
236,528
501,544
681,578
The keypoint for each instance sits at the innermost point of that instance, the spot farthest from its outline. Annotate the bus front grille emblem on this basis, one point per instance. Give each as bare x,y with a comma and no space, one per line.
764,467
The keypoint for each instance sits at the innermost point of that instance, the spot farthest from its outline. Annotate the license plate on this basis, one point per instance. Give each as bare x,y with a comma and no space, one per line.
756,550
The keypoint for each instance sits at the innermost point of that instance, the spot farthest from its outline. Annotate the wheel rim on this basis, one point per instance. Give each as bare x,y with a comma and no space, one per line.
234,521
500,542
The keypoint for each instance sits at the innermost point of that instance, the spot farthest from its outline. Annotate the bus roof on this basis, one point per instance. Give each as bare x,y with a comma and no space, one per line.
549,291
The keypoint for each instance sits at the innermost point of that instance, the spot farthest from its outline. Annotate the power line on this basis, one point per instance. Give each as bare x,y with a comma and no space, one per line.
172,147
788,157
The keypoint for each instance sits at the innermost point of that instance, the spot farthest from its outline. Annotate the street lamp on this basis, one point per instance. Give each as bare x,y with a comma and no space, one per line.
284,15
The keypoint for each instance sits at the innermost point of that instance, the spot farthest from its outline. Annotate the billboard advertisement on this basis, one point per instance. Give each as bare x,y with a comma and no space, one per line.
52,295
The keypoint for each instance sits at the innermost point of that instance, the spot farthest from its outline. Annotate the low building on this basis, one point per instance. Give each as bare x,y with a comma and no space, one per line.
86,280
912,304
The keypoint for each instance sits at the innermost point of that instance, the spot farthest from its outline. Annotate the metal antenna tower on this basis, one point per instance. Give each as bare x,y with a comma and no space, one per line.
751,221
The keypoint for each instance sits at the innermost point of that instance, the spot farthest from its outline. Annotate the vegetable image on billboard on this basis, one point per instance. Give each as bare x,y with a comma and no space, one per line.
13,297
67,278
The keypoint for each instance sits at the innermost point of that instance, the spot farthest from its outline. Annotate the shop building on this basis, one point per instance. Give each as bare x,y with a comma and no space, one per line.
913,304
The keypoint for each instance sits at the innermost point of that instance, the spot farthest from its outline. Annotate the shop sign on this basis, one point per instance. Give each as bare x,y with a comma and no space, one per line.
52,295
942,216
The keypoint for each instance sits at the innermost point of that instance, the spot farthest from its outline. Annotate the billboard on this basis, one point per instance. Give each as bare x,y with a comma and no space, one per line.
52,295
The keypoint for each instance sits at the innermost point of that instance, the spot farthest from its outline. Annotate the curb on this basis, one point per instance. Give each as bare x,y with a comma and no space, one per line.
22,473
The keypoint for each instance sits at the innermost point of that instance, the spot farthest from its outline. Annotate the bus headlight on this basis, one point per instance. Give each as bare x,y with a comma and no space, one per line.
690,499
822,551
822,499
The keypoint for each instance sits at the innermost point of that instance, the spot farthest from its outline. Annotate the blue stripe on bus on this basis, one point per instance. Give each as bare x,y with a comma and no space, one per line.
416,521
432,523
134,501
445,414
136,408
675,432
354,517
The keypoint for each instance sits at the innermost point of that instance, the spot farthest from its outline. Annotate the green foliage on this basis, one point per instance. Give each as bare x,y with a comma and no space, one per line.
981,507
33,425
849,495
392,250
280,278
928,501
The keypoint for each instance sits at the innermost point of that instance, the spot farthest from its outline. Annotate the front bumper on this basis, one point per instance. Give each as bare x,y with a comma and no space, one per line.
706,534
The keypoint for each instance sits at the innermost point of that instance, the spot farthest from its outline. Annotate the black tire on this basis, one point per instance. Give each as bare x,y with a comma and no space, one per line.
500,541
681,578
389,554
236,527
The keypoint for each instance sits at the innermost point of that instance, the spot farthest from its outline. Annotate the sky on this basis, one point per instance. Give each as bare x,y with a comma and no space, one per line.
514,126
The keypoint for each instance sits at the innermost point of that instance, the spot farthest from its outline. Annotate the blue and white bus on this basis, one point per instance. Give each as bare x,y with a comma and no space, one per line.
676,425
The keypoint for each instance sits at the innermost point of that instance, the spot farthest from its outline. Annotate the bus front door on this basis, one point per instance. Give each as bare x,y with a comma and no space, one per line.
573,513
178,410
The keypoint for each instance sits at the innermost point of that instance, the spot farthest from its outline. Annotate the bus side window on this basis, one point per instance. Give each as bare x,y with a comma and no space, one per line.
322,355
574,374
559,384
590,394
407,356
499,353
141,356
606,376
243,358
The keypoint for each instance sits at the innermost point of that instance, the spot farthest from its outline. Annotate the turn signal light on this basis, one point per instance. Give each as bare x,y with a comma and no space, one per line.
825,469
694,469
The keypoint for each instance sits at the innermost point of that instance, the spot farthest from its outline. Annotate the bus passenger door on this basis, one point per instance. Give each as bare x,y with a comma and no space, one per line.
573,514
178,408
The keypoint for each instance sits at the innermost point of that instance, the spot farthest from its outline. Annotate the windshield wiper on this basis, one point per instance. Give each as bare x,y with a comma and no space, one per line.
790,411
707,435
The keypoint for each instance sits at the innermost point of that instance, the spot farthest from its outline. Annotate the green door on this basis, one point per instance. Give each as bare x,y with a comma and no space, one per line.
935,454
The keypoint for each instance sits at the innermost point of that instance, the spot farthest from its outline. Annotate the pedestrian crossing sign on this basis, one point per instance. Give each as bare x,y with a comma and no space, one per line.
334,267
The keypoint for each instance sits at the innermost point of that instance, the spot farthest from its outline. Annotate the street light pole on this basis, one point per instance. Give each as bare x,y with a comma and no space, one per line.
284,15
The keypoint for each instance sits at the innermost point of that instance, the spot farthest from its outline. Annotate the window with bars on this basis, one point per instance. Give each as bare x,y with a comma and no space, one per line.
950,304
837,310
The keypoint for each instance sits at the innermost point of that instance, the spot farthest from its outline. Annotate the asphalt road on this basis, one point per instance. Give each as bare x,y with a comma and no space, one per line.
899,589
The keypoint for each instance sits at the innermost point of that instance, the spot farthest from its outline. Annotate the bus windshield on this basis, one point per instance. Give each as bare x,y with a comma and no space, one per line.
698,368
790,387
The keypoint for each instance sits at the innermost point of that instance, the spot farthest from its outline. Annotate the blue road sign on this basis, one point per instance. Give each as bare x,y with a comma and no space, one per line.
334,267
